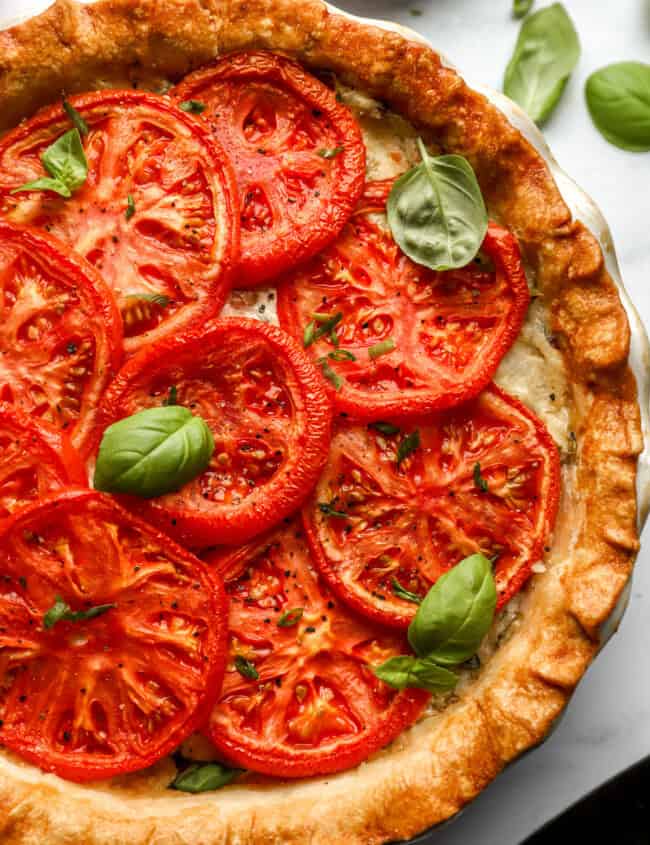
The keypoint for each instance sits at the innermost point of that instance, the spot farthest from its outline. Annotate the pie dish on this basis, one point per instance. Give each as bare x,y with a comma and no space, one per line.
570,365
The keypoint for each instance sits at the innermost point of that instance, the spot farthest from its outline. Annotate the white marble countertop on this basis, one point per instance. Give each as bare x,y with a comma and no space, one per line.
607,725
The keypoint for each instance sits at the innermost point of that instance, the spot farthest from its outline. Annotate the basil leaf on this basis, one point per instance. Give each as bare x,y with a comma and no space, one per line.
545,55
61,610
520,8
203,777
245,668
403,593
410,443
385,428
77,120
479,481
436,212
406,672
329,510
130,207
153,452
193,106
65,161
618,99
290,617
331,153
456,613
381,348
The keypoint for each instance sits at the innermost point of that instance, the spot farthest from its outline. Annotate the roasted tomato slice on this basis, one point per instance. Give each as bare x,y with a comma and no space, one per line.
269,415
157,214
299,697
95,697
60,334
35,460
417,340
484,477
297,152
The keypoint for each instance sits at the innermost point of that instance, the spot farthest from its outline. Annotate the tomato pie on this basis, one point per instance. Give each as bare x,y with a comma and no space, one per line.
319,435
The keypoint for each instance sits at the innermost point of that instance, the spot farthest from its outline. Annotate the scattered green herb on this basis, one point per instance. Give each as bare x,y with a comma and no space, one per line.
341,355
618,98
330,153
290,617
130,207
245,668
479,481
171,398
330,510
330,374
61,611
408,445
66,163
385,428
381,348
193,106
326,324
403,593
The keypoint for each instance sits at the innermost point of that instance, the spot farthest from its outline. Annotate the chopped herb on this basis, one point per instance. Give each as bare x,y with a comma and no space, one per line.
130,207
245,668
171,398
402,593
327,323
193,106
330,153
330,374
158,299
290,617
341,355
77,120
385,428
328,510
61,610
410,443
479,481
381,348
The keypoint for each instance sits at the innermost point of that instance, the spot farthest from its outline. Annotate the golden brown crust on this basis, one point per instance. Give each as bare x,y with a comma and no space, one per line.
447,759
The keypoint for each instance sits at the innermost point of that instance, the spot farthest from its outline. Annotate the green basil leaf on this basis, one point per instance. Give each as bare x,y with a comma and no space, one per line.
290,617
331,153
520,8
410,443
45,184
153,452
329,510
77,120
618,98
203,777
193,106
479,481
246,668
61,610
545,55
406,672
130,207
436,212
456,613
385,428
381,348
403,593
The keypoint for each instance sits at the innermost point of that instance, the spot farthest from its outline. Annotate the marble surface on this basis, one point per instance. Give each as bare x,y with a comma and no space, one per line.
607,725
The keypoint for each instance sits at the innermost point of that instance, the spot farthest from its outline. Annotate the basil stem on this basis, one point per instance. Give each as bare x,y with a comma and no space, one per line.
77,120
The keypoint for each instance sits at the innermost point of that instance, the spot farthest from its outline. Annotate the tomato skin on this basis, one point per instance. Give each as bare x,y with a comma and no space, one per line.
328,712
238,85
451,329
39,451
183,238
96,651
30,261
430,514
208,374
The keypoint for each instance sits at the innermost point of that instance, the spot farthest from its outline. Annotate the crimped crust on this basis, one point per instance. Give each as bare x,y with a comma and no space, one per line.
442,763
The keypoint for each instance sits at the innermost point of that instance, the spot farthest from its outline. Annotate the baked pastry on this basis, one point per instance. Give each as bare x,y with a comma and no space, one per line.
569,365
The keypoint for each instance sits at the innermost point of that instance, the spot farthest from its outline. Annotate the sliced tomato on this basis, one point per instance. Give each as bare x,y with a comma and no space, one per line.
269,415
60,334
157,214
485,478
35,460
304,700
114,693
297,152
441,335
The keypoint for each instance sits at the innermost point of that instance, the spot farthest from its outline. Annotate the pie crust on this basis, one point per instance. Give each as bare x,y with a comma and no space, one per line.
434,769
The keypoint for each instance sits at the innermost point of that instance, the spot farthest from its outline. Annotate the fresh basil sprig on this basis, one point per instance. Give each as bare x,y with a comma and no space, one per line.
456,613
153,452
204,777
66,163
61,611
544,57
436,212
618,99
448,628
